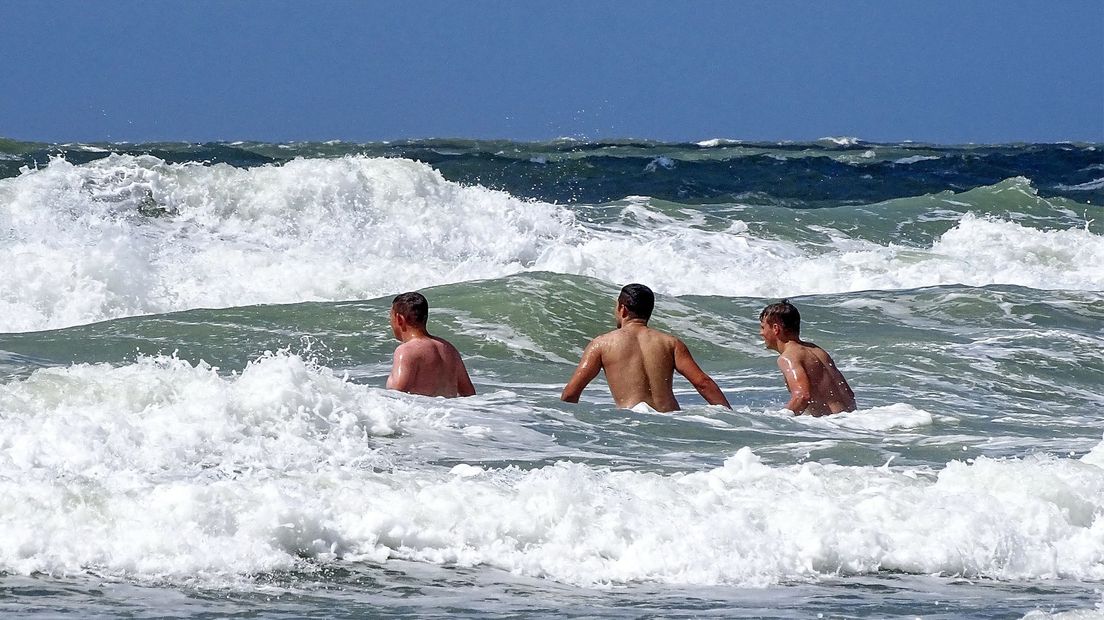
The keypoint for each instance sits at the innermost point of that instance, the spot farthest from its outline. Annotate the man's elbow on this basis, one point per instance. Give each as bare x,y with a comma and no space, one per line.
569,396
799,402
711,392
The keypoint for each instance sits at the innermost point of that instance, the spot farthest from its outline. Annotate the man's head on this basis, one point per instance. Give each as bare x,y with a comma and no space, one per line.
779,322
636,301
408,310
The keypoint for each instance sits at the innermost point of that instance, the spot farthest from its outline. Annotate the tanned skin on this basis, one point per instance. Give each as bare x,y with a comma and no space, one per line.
425,364
639,363
816,386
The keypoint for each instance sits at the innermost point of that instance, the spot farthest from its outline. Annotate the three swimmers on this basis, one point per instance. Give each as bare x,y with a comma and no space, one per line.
639,361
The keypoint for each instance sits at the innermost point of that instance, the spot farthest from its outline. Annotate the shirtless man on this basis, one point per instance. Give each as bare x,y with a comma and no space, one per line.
816,386
639,361
424,364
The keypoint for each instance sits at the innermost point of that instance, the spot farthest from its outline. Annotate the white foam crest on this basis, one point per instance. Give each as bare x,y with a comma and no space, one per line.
163,415
744,523
841,140
914,159
898,416
1084,187
715,142
165,469
78,248
1095,456
749,524
128,235
1096,613
978,251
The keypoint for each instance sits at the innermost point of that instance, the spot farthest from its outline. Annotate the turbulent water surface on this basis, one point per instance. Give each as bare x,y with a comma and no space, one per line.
194,339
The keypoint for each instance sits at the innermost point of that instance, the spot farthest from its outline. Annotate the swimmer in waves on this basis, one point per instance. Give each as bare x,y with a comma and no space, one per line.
816,386
639,361
424,364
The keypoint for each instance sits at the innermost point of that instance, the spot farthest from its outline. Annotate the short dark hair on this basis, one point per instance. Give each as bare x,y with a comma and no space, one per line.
637,299
413,307
783,313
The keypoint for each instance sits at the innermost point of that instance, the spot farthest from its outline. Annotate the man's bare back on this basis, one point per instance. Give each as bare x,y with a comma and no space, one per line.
816,386
639,362
804,363
424,364
429,366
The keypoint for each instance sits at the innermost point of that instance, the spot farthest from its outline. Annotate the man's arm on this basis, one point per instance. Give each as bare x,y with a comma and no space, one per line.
703,383
464,385
586,371
403,371
842,379
798,383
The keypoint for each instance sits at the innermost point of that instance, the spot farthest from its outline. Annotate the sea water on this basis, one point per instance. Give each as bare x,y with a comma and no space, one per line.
194,341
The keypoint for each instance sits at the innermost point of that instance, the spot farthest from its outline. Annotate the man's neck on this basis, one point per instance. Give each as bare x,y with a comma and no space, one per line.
786,339
414,333
634,323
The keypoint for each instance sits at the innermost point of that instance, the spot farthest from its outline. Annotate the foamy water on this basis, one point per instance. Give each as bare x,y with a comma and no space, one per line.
129,235
256,471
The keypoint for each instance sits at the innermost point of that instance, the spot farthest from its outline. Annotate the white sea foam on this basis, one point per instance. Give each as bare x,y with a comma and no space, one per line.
164,470
841,140
161,412
75,248
133,235
914,159
142,469
715,142
1073,614
660,162
1084,187
898,416
978,251
1096,613
1096,455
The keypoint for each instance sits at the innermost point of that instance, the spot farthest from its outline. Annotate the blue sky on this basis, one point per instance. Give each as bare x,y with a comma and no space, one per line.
941,71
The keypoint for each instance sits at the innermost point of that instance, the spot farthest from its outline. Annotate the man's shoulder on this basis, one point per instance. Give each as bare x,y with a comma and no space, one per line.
648,339
417,346
408,348
610,336
663,338
446,346
793,351
803,352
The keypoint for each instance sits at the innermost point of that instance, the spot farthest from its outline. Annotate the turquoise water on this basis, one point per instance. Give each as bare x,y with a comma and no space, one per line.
194,340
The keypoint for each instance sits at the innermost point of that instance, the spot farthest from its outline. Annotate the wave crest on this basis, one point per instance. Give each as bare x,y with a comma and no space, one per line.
129,235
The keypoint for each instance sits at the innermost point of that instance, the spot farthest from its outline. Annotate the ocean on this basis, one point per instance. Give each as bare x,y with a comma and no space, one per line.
194,341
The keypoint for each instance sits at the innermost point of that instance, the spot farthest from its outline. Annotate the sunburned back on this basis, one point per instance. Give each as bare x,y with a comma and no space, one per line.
639,363
829,392
436,366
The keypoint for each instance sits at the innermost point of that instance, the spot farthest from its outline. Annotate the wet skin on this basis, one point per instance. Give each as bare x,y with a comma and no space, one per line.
425,364
816,386
639,363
